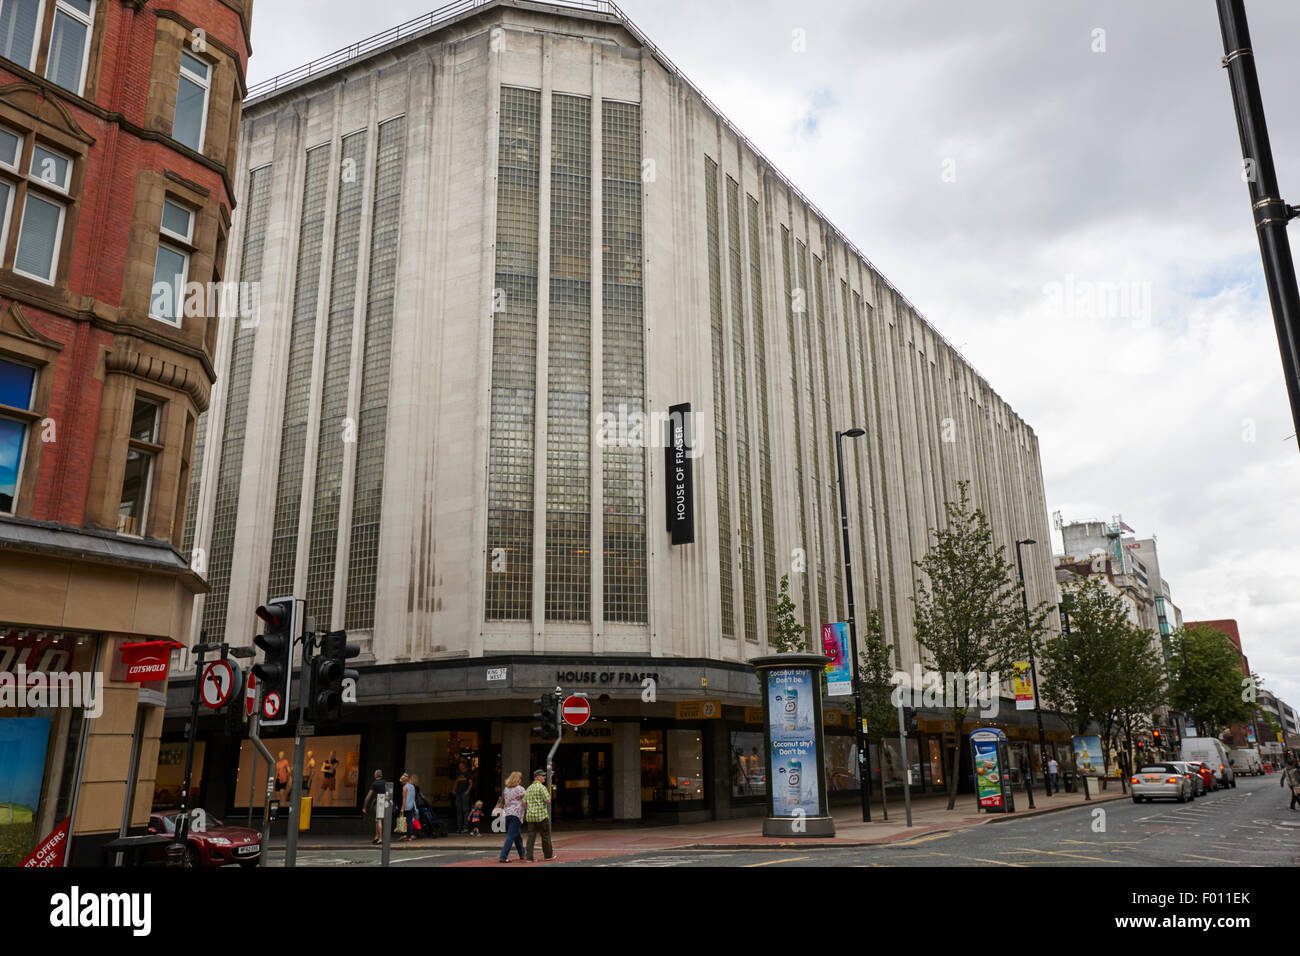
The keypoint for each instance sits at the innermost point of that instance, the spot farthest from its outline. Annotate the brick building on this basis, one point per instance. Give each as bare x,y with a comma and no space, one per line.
119,123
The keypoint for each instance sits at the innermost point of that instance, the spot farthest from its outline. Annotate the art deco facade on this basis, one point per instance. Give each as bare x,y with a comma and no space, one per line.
475,238
118,130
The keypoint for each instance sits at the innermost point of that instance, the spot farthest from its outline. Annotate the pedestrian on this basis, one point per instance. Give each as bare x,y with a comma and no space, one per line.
475,818
512,805
1053,774
462,790
1291,778
408,808
377,789
537,813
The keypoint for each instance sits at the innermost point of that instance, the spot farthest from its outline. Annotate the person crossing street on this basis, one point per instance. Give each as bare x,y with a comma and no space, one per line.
1291,778
537,813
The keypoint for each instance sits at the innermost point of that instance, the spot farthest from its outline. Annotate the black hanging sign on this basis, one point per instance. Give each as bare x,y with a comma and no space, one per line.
680,482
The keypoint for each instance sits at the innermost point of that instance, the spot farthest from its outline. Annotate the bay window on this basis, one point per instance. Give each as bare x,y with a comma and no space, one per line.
171,267
17,395
142,451
191,120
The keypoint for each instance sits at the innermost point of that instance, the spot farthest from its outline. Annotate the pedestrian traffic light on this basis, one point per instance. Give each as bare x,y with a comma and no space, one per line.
328,672
547,716
275,672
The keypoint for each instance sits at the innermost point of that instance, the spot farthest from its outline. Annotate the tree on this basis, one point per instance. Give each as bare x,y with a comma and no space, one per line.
1105,670
968,613
875,667
1207,681
789,632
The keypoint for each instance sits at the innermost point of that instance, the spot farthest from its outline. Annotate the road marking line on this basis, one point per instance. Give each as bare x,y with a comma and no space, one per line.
412,859
1212,859
998,862
924,839
789,859
1077,856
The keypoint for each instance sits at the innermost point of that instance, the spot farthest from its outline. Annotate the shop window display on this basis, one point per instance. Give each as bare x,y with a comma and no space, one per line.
672,766
170,780
331,770
441,758
841,762
748,768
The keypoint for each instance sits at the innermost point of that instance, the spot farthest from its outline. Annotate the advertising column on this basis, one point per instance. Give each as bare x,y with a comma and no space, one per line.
792,717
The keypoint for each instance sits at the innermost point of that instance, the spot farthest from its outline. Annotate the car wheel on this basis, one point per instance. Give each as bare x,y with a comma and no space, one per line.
1137,799
192,857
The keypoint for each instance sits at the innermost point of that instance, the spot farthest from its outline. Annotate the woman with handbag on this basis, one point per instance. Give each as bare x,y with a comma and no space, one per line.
511,802
408,809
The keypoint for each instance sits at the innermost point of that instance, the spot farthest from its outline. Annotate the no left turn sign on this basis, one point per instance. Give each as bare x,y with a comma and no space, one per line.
271,706
218,684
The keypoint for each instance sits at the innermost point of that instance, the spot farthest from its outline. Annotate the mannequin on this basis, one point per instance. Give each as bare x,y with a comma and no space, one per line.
329,769
281,774
308,771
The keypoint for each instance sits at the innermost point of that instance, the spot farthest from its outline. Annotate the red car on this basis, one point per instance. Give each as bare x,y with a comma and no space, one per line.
210,842
1207,775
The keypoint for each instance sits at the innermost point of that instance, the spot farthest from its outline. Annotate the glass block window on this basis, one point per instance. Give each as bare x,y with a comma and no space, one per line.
323,544
760,386
824,347
795,304
816,567
568,397
297,396
230,446
623,369
514,361
725,595
196,480
376,363
739,368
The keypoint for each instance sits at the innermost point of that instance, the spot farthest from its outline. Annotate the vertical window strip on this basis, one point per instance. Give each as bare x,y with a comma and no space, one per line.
297,396
764,448
623,376
857,352
568,397
816,559
376,364
797,397
334,386
725,595
222,542
509,588
739,367
196,476
824,346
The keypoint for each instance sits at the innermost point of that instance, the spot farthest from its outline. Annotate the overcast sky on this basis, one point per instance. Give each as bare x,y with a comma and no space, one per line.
992,157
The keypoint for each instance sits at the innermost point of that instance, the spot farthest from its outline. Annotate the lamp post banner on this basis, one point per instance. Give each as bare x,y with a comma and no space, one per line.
1022,685
839,672
793,734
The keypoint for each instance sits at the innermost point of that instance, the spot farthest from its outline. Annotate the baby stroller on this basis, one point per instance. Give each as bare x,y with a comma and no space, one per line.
430,825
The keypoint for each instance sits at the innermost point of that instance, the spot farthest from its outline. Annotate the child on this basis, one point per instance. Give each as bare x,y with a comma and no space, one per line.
475,816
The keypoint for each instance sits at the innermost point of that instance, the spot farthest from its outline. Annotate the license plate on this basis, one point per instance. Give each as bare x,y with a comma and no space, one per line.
248,850
1151,779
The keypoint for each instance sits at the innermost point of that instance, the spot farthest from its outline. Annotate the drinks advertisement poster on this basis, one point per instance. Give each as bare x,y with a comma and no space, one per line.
835,645
1087,755
988,775
793,733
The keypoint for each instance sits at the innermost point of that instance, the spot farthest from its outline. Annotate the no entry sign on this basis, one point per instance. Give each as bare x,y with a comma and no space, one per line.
250,696
576,711
218,684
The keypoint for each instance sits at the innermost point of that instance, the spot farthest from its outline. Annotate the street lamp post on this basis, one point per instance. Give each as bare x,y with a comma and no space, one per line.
1033,667
864,765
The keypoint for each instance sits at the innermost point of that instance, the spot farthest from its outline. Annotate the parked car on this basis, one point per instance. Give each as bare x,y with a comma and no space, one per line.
1194,775
1207,775
1160,781
1245,760
1211,752
209,841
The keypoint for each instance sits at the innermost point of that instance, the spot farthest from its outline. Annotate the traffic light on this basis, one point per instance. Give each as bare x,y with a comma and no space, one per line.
1141,748
909,720
328,672
1155,736
275,672
547,716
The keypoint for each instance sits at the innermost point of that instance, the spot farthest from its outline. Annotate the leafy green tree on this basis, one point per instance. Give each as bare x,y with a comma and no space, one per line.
789,632
1207,681
1105,670
875,667
968,614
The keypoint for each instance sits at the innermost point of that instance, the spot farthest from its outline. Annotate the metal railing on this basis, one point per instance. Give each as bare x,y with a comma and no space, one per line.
450,11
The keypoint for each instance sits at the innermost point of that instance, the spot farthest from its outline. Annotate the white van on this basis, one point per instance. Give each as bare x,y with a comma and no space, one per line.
1246,761
1211,752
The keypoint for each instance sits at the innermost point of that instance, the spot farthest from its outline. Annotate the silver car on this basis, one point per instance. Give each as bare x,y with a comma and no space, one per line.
1161,780
1192,774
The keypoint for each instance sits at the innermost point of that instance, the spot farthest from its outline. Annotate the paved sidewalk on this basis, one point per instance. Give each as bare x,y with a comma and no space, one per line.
929,815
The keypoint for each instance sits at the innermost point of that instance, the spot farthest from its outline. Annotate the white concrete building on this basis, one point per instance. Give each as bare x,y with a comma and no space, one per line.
475,235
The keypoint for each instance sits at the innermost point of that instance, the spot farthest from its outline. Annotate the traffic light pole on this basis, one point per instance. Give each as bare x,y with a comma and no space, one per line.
907,763
255,737
559,735
299,746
